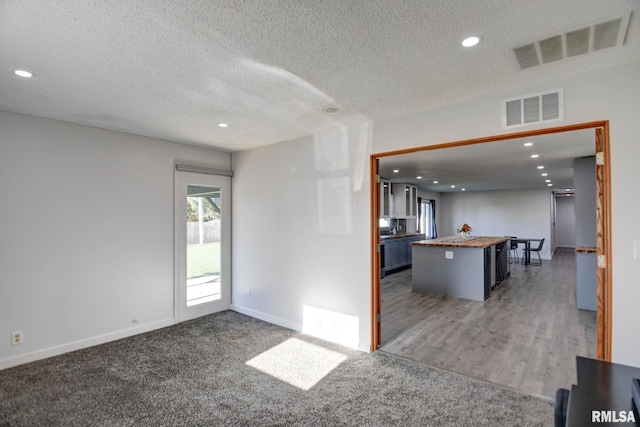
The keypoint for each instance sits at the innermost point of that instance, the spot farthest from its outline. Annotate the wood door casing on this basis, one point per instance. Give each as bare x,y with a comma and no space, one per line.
376,332
603,319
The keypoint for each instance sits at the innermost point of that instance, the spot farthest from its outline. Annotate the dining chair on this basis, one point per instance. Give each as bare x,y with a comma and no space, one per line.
536,250
513,249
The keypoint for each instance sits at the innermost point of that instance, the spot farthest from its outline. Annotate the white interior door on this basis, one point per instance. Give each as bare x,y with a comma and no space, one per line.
202,245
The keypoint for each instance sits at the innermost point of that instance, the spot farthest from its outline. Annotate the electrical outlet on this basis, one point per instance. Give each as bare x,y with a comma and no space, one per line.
16,337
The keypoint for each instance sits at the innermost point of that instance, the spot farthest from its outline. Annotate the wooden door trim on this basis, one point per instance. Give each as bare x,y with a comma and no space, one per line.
375,255
603,242
603,183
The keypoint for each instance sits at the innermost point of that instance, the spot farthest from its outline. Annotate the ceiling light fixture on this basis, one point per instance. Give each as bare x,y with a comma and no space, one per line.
549,185
544,174
463,189
471,41
23,73
547,180
223,125
453,186
528,144
540,167
435,182
418,177
534,156
396,170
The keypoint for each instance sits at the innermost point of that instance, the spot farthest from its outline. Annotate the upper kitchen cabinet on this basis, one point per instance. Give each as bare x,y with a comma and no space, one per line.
405,197
385,199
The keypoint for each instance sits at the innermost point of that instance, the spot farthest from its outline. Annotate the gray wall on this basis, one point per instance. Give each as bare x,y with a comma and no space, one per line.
565,222
520,213
585,201
586,263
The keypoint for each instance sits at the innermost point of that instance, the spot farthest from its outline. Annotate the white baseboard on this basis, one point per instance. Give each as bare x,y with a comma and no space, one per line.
267,317
78,345
364,347
21,359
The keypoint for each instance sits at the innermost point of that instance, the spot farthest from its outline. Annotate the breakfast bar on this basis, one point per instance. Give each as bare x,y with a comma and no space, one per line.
463,268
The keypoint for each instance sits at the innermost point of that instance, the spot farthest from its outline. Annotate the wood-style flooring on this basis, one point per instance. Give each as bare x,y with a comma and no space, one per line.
525,336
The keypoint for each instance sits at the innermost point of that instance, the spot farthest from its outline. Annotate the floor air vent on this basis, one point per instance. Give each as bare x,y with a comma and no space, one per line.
533,109
579,41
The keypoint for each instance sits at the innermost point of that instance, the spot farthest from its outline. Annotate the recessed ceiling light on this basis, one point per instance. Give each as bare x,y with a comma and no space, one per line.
23,73
418,177
471,41
435,182
528,144
463,189
453,186
223,125
549,185
547,180
544,174
396,170
540,167
534,156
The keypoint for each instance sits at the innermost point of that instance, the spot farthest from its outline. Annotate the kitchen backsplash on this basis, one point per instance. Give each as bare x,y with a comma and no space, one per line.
401,226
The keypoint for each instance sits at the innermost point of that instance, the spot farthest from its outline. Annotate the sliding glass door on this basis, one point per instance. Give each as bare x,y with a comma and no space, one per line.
201,244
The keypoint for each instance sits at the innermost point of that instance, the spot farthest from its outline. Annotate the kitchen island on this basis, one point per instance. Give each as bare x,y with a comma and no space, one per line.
462,268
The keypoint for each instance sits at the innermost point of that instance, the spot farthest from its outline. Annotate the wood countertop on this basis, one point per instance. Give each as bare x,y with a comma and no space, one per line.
399,236
457,242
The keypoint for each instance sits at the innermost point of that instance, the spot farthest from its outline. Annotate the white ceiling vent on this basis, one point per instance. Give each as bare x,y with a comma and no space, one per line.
533,109
609,33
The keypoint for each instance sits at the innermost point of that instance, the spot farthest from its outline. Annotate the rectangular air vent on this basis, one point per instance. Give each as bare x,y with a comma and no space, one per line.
532,109
601,35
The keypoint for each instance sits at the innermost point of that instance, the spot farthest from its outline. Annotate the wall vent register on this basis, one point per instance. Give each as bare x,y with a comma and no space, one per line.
533,109
579,41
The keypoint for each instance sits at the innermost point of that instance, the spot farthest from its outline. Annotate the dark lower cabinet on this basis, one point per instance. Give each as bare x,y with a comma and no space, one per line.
487,272
396,253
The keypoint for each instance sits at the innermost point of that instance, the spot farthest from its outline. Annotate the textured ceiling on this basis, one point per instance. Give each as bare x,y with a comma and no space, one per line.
175,69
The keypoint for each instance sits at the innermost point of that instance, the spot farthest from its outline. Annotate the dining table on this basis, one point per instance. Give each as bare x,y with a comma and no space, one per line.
526,241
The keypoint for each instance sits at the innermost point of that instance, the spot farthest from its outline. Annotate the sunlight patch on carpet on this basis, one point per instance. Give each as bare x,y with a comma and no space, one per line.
297,362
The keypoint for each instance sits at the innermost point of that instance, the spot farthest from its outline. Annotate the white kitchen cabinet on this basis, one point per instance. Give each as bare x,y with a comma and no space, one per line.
405,200
386,203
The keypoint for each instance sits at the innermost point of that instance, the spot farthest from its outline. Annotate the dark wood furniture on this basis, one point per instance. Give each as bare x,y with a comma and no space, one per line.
602,386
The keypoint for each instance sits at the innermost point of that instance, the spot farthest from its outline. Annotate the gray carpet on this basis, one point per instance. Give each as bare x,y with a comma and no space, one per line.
209,372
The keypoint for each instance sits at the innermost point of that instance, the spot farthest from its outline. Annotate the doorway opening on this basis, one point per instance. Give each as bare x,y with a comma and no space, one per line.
603,210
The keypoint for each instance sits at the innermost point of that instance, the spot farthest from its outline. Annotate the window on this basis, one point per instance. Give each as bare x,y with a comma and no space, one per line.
425,220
